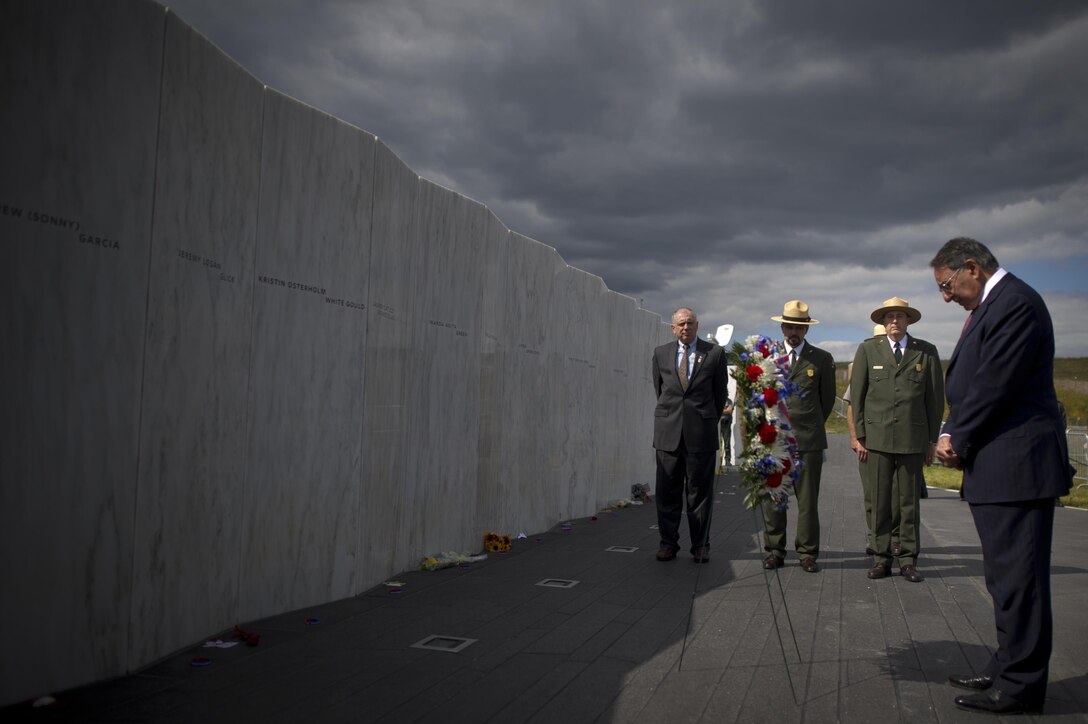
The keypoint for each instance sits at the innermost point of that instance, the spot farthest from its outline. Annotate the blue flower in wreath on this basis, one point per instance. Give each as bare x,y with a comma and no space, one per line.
767,465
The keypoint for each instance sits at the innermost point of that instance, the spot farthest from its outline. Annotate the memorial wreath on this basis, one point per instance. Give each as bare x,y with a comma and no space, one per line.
769,464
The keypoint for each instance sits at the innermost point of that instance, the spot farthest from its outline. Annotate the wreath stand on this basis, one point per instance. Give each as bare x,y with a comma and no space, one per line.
760,527
754,376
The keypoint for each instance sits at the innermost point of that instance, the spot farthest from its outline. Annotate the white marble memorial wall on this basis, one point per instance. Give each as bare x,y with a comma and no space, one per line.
306,385
533,388
493,497
190,505
581,321
637,425
445,394
622,405
386,537
79,102
259,362
636,405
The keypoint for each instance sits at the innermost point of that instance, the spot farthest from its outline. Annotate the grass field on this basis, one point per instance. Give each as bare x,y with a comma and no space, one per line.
1071,385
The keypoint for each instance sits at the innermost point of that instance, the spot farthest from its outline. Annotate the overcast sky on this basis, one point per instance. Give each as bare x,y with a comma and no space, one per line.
727,155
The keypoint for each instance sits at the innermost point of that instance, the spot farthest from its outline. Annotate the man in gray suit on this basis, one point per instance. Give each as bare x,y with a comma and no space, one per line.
812,370
690,379
897,392
1004,431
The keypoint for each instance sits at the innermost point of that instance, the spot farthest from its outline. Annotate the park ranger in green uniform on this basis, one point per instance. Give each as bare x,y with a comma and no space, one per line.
813,371
897,392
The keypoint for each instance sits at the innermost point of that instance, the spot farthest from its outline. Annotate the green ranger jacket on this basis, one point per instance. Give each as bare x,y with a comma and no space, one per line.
814,374
897,407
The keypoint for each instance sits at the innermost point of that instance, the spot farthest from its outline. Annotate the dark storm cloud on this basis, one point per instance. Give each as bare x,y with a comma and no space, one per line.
651,142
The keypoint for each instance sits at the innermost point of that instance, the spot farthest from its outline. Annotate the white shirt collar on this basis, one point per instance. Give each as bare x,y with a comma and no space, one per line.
998,276
902,342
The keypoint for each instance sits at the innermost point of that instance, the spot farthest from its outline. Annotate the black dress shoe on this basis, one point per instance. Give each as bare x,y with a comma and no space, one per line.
911,574
895,549
981,682
772,561
869,551
808,565
995,702
880,570
701,554
666,553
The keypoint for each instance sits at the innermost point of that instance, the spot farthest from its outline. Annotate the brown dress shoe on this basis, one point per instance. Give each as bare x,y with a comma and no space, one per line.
880,570
701,554
808,564
666,553
772,561
896,549
911,574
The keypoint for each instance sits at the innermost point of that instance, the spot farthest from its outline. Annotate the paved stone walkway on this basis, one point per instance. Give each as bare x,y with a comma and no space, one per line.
792,647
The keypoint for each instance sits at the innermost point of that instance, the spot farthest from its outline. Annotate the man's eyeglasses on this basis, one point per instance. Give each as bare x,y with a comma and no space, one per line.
945,287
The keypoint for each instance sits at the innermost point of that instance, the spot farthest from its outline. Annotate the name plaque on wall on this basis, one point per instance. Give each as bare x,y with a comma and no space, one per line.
448,325
59,221
311,289
210,264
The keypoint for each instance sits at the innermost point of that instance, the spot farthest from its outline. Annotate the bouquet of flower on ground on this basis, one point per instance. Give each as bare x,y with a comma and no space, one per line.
769,465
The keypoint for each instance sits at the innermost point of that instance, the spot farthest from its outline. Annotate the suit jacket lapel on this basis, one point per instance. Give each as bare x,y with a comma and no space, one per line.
675,351
700,355
979,314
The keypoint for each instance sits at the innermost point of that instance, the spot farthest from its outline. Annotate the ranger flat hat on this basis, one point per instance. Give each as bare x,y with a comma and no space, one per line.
896,304
879,331
795,312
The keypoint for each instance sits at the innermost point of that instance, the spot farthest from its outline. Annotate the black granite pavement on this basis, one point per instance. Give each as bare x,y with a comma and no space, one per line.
633,640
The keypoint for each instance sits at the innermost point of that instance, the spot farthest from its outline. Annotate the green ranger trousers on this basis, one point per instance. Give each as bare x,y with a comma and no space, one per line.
896,481
806,505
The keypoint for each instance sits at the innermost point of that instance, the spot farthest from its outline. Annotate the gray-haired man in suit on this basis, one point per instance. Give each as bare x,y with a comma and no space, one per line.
1004,431
690,378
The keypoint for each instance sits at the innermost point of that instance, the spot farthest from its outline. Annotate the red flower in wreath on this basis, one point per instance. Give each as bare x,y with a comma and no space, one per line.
774,480
770,396
767,433
754,372
786,465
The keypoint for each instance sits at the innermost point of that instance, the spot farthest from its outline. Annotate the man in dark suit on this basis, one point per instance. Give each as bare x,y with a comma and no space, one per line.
1004,432
897,399
690,379
812,370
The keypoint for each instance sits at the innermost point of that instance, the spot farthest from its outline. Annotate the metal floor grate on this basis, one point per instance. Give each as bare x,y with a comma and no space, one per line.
557,583
449,644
